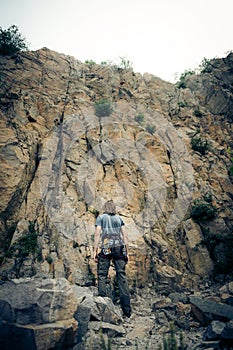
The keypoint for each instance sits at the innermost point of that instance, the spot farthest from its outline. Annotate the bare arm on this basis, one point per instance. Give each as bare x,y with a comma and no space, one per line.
96,242
125,238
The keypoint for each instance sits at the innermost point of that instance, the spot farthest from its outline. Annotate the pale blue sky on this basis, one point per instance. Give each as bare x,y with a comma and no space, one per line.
162,37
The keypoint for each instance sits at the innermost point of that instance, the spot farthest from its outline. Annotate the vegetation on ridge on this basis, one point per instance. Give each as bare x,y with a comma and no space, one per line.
11,41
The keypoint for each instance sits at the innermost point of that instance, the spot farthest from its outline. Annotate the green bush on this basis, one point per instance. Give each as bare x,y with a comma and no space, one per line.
49,259
181,104
181,84
107,63
199,144
205,66
150,129
139,118
26,244
103,108
198,113
90,62
203,211
11,41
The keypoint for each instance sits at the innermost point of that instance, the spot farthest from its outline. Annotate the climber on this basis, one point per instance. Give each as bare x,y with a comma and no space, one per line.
111,237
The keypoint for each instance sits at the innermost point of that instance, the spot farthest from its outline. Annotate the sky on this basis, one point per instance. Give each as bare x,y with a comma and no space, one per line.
161,37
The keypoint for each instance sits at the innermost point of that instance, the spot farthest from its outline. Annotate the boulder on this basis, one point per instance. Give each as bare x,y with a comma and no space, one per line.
162,303
110,329
206,310
214,330
178,297
94,310
57,335
37,314
220,332
227,333
37,301
82,315
104,310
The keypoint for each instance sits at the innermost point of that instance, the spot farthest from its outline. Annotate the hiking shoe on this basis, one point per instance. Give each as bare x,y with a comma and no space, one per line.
126,314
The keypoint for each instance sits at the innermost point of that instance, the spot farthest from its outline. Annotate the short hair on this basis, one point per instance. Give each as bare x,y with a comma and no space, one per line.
110,207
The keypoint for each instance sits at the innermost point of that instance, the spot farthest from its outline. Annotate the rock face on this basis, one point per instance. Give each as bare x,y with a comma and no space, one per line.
74,135
61,159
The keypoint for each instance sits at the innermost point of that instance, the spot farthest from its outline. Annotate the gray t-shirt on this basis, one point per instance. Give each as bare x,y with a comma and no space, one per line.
110,224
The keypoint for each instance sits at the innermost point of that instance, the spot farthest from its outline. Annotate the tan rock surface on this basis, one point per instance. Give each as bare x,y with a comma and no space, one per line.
60,162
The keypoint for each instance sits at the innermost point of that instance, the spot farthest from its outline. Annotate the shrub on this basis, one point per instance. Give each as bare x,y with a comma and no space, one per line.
231,168
203,210
90,62
125,63
49,259
105,63
139,118
150,129
205,66
103,108
220,247
199,144
26,244
181,104
181,84
207,197
198,113
11,41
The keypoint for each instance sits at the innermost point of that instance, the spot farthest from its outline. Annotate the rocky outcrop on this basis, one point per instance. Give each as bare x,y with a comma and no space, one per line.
213,87
74,135
53,314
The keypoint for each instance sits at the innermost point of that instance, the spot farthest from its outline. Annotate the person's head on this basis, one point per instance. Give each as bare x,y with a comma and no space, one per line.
110,207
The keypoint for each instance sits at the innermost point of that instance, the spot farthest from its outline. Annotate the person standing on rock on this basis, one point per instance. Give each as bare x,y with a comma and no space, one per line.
111,237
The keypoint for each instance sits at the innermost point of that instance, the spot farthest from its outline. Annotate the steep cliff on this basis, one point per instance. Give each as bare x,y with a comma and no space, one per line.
74,135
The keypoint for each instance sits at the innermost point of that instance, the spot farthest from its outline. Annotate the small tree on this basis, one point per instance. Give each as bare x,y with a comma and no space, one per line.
11,41
103,108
